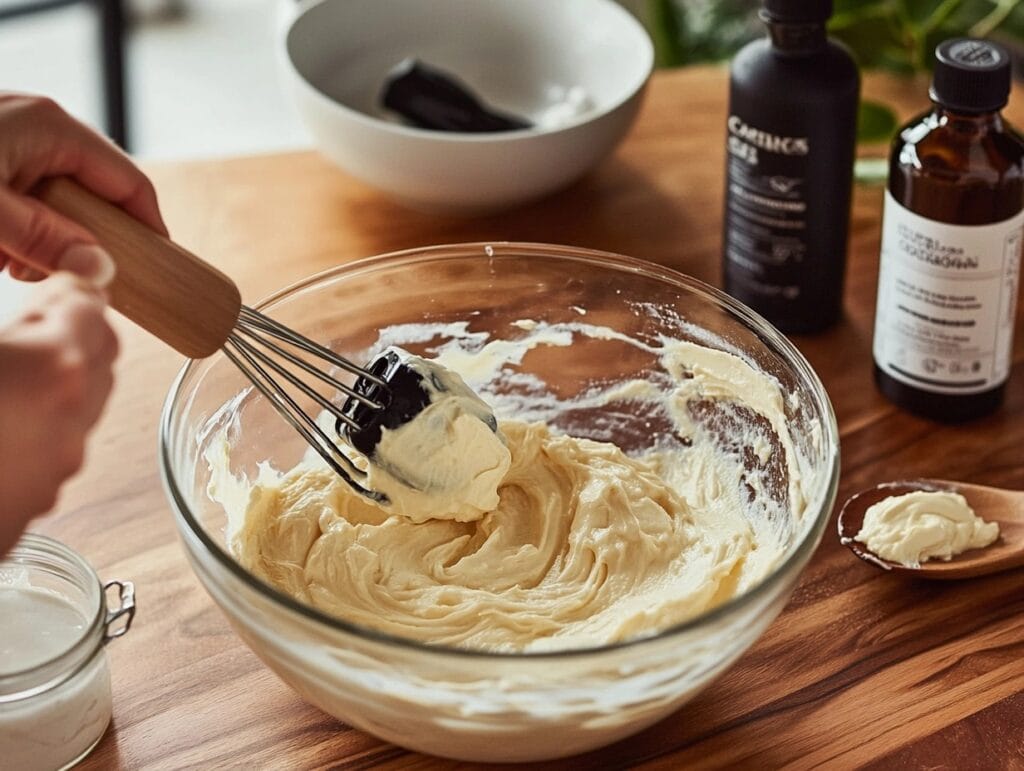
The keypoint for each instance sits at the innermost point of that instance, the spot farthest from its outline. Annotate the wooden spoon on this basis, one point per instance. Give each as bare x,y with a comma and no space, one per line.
992,504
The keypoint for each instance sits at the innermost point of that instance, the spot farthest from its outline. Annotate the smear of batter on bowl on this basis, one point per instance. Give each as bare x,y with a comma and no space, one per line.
587,544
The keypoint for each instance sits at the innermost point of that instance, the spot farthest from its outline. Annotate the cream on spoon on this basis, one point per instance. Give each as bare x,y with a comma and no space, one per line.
992,505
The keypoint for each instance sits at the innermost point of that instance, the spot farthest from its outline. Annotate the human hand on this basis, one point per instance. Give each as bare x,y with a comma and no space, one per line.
38,140
55,375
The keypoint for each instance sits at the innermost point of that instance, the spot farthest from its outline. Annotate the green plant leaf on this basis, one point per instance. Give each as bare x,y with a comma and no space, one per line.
875,122
666,28
920,11
1013,27
970,12
692,31
894,35
856,8
1005,18
877,39
855,13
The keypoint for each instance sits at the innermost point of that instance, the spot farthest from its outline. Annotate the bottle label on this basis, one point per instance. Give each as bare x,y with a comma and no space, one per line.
947,301
765,241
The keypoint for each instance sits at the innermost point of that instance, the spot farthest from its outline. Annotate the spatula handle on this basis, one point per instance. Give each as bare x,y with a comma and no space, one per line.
160,286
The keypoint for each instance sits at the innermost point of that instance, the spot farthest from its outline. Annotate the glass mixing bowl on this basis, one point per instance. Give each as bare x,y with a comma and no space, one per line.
455,702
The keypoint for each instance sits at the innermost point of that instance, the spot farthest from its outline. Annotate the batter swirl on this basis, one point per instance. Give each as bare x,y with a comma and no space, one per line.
587,545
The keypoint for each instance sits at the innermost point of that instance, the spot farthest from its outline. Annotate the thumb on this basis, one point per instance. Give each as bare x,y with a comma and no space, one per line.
34,236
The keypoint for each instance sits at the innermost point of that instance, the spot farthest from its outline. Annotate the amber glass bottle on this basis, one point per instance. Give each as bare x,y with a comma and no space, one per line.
951,243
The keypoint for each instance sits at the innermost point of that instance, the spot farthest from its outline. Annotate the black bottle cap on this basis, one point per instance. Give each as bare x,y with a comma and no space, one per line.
798,10
971,75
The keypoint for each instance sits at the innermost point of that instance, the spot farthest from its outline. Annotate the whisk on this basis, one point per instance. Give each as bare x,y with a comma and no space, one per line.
198,310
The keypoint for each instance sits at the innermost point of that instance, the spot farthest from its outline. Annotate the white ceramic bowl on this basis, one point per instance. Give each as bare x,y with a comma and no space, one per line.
514,54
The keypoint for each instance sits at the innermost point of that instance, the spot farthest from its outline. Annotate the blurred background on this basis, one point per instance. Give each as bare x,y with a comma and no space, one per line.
200,77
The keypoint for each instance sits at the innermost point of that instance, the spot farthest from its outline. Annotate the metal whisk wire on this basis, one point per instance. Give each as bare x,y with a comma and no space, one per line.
198,310
255,347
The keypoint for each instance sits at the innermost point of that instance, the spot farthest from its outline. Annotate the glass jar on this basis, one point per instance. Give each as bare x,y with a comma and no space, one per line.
55,696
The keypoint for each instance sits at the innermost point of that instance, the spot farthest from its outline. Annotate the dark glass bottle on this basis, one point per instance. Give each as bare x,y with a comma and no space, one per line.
951,243
791,141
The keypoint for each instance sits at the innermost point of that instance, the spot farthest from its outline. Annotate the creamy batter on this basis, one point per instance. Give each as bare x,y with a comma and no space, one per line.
466,456
585,545
923,525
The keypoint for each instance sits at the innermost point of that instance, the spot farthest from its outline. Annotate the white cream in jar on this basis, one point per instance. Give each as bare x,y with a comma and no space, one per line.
55,692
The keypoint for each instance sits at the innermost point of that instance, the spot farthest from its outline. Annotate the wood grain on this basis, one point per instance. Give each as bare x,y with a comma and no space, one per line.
860,669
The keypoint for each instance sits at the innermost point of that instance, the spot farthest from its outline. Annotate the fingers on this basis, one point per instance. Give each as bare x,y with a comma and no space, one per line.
94,398
42,241
25,273
49,142
73,315
80,309
85,347
55,377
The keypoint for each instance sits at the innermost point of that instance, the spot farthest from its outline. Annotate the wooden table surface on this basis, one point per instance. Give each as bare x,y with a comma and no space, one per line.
860,669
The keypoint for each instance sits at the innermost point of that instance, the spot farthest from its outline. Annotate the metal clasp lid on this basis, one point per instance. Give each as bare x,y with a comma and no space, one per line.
125,609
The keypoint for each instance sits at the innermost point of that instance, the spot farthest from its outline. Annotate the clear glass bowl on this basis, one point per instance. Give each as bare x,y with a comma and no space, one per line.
454,702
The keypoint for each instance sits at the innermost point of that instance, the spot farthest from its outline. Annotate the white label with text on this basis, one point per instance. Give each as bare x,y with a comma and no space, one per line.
947,300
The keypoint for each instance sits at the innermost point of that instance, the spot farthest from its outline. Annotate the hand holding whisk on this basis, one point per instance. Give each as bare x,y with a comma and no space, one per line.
198,310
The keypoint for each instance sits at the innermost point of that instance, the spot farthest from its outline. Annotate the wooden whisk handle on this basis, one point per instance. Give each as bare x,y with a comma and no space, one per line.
162,287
